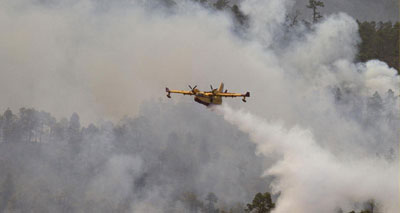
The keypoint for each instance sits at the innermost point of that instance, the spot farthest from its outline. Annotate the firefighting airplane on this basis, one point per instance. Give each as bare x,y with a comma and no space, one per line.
213,97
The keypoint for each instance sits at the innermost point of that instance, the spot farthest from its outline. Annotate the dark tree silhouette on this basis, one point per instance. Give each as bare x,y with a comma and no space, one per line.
9,127
262,203
314,4
221,4
211,200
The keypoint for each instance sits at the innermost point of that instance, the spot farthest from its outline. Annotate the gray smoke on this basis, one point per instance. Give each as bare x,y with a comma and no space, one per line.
312,179
150,163
109,59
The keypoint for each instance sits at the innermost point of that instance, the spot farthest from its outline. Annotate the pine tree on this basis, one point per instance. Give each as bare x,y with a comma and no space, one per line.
262,203
313,4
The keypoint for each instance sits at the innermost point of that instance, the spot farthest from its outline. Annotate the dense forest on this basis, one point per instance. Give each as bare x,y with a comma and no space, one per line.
47,164
51,165
379,40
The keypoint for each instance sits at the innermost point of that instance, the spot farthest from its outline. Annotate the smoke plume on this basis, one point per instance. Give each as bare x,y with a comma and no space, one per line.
312,179
325,128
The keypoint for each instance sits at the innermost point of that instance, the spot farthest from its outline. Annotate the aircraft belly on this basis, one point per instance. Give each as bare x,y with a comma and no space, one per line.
217,100
201,101
207,101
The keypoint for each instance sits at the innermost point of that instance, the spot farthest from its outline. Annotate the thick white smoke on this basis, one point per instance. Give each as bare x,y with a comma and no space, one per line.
104,59
312,179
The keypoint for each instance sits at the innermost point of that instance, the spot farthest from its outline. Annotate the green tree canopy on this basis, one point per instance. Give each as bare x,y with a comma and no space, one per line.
262,203
379,41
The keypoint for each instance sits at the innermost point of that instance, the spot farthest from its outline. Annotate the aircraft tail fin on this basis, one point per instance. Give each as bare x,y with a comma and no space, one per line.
221,87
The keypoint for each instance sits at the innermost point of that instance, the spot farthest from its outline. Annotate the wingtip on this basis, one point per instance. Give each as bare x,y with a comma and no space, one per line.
168,92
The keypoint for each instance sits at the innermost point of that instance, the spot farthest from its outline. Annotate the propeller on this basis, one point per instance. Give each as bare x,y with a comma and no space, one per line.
192,88
214,91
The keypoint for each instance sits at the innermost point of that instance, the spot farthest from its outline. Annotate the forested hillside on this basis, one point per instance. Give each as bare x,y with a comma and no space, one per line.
50,165
201,164
379,41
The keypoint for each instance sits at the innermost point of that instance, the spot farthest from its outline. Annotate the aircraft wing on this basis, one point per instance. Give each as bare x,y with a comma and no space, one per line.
229,94
184,92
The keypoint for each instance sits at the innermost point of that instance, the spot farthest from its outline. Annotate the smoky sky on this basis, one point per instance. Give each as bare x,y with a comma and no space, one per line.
363,10
111,60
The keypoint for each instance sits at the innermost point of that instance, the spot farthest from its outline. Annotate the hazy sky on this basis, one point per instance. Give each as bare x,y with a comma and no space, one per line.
104,60
365,10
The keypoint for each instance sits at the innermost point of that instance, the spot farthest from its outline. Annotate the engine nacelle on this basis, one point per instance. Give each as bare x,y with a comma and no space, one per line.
168,92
